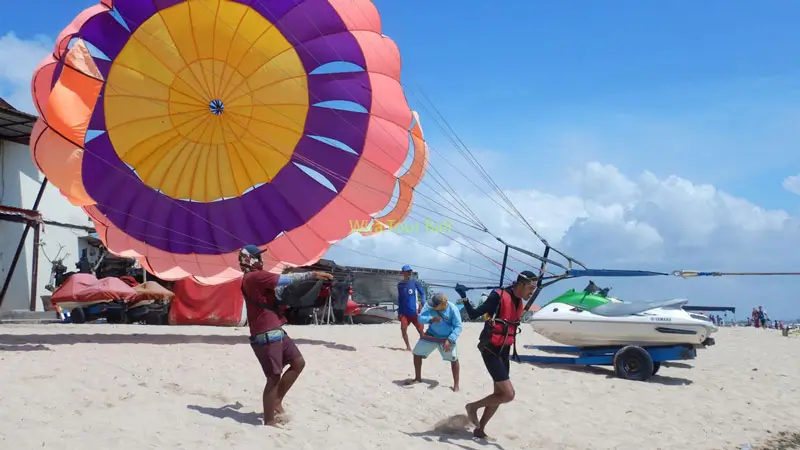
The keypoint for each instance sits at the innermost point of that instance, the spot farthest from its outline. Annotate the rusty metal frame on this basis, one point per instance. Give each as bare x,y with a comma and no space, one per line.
32,219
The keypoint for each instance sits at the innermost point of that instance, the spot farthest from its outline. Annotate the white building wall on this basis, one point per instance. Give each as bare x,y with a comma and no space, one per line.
18,188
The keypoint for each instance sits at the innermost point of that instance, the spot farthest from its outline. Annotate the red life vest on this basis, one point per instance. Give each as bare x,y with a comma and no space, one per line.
505,322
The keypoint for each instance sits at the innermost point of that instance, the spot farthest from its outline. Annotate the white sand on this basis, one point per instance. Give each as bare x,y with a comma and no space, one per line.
138,387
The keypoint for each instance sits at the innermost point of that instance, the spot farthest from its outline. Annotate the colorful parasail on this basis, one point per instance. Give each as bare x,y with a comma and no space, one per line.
189,128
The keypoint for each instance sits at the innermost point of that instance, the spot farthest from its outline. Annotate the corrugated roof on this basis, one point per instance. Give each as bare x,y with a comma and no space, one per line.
15,125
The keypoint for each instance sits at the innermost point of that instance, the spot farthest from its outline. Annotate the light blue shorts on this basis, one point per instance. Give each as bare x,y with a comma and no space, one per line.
425,348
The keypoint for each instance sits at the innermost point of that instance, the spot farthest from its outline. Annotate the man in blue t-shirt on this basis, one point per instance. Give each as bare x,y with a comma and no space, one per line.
410,298
442,334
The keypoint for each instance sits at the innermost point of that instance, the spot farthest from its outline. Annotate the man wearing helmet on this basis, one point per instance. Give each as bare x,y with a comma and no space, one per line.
273,348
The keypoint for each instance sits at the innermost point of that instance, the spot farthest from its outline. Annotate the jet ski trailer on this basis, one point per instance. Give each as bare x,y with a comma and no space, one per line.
631,362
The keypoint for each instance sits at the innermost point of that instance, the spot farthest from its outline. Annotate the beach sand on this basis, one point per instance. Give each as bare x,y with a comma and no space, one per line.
139,387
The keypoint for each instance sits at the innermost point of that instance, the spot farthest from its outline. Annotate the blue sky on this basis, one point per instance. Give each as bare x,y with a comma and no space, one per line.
705,91
533,66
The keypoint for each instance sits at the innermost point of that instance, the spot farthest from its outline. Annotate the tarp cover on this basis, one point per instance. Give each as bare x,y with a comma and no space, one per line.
85,288
371,288
150,290
197,304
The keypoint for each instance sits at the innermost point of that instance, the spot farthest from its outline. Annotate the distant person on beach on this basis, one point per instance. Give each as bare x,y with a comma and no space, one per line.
273,348
762,317
506,307
442,335
410,298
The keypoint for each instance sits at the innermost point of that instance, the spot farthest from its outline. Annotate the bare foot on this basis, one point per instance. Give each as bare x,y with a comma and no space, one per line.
412,381
455,388
472,414
479,433
282,419
279,409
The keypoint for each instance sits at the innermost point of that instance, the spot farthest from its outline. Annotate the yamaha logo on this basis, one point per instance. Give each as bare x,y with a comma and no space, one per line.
661,319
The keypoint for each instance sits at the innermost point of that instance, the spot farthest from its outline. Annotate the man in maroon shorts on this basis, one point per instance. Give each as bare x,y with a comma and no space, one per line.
410,298
273,347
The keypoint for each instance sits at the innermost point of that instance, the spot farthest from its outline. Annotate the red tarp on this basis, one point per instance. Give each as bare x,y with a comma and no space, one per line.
196,304
85,288
129,280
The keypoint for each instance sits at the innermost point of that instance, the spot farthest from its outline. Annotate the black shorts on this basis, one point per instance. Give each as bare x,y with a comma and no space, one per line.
497,361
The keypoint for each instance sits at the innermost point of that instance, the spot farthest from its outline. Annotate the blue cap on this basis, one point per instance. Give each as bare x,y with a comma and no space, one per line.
252,250
406,268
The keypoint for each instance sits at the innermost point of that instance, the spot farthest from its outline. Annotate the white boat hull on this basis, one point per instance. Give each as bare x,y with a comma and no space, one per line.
566,325
375,315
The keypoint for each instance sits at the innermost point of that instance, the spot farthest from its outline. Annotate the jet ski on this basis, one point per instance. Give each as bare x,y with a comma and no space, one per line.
590,318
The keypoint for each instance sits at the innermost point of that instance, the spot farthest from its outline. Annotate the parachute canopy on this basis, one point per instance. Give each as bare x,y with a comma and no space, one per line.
189,128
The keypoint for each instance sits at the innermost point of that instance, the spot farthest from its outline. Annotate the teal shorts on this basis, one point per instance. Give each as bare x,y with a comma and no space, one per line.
425,348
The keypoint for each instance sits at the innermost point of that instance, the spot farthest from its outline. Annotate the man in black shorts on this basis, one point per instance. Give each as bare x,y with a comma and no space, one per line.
506,307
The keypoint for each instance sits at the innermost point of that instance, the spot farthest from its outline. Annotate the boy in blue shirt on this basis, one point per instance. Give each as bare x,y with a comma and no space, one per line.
442,333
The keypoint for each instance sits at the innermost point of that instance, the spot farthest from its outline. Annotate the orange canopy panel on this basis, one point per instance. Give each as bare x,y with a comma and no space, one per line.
85,288
198,304
150,290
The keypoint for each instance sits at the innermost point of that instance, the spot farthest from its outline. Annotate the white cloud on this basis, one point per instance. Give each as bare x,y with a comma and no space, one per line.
18,59
792,184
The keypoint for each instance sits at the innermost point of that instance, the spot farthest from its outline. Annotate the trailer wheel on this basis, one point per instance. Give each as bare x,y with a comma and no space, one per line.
656,366
77,315
633,363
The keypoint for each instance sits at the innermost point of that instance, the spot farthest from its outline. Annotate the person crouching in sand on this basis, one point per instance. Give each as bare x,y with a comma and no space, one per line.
442,334
273,348
506,307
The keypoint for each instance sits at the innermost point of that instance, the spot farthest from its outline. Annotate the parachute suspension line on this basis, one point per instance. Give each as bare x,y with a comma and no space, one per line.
459,143
470,157
482,175
438,178
472,247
